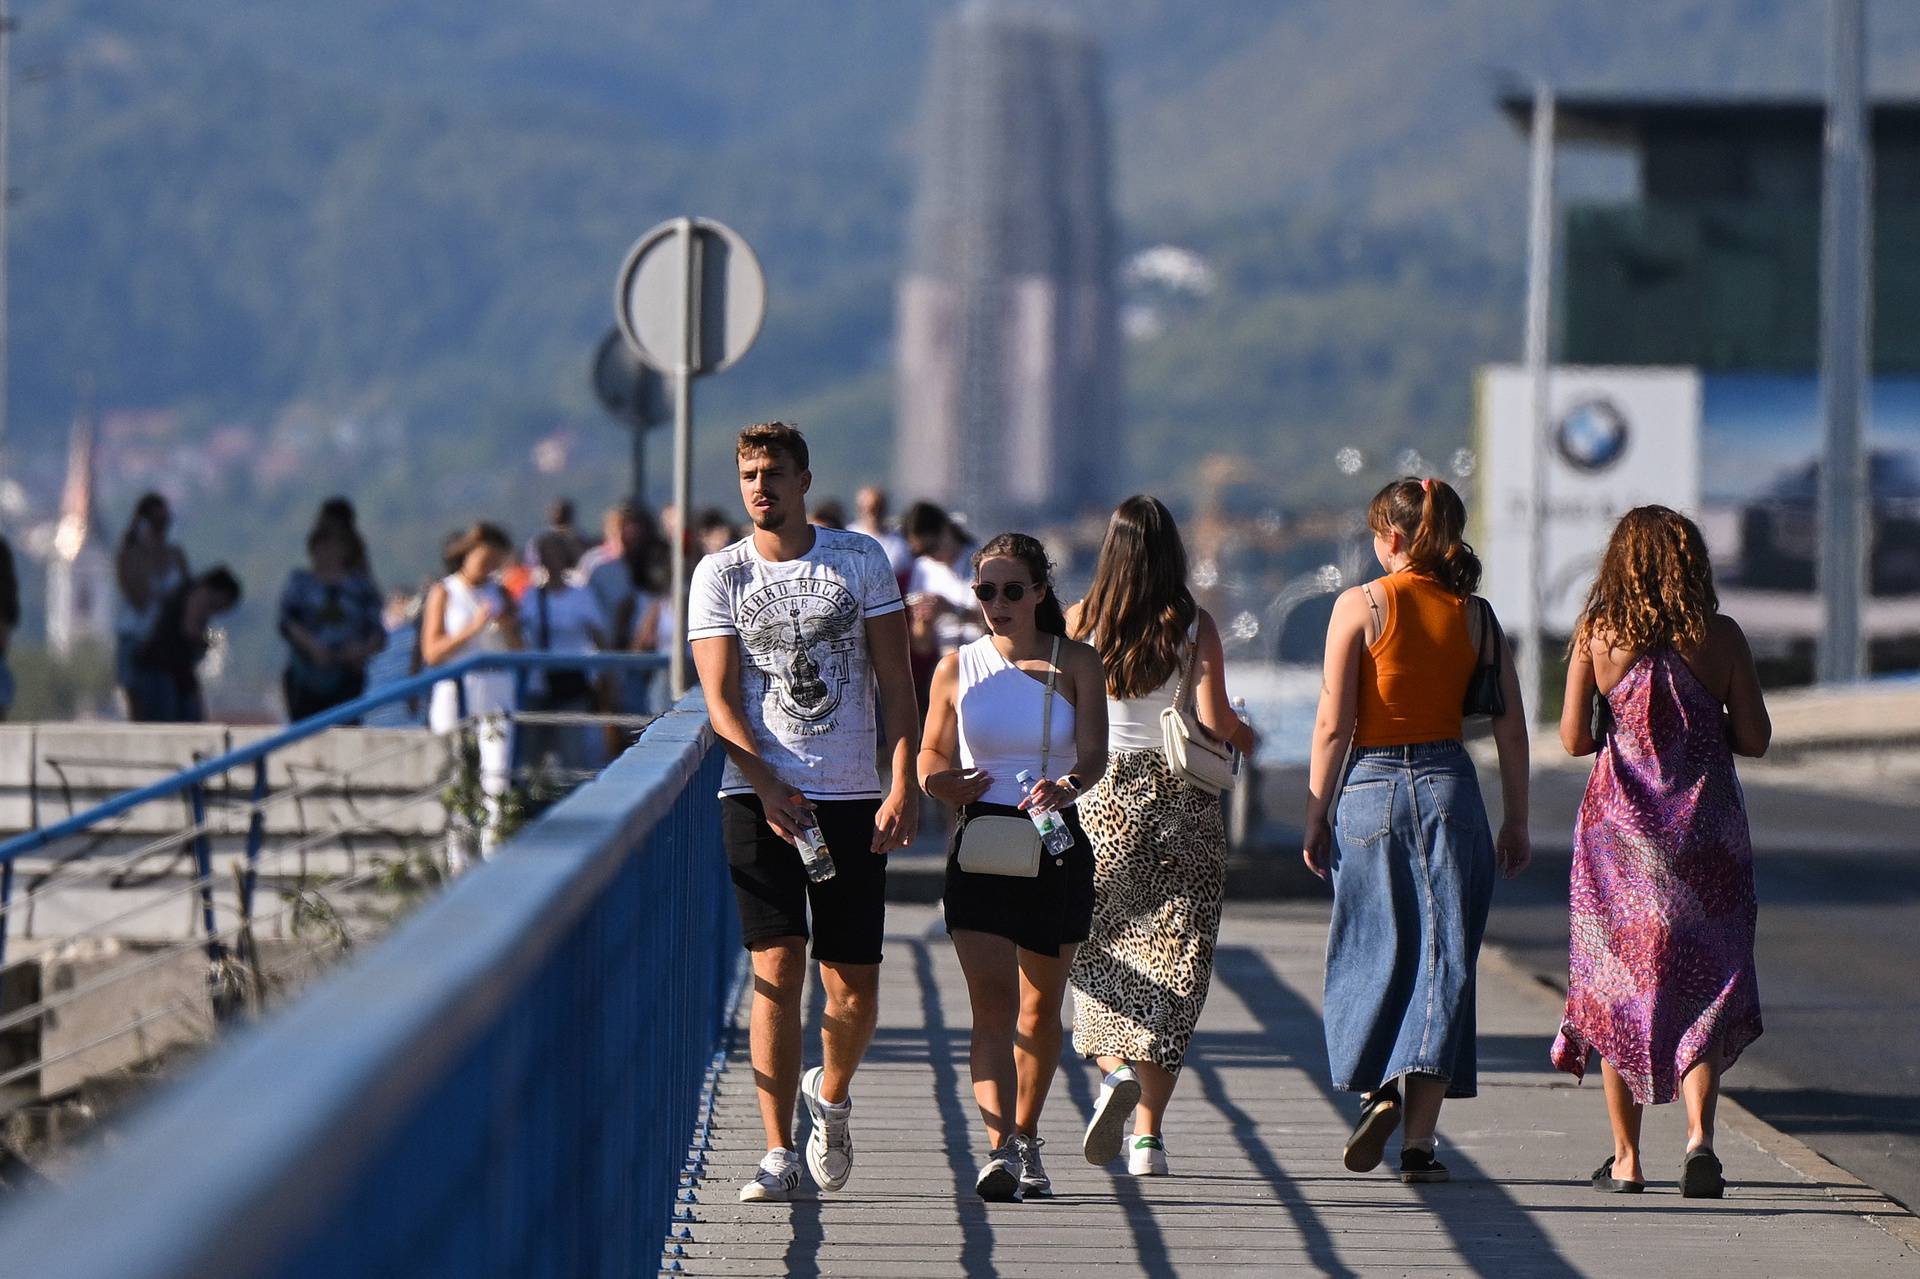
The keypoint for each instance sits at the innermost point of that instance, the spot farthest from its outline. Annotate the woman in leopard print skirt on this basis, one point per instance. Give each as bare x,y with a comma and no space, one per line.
1141,978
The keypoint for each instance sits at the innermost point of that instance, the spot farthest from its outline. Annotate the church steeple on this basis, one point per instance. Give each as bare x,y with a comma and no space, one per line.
77,523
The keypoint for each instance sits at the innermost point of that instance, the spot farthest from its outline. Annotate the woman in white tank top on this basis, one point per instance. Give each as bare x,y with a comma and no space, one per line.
988,721
467,613
1159,845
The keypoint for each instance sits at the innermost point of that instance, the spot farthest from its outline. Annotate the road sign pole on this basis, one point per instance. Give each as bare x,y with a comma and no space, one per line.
689,360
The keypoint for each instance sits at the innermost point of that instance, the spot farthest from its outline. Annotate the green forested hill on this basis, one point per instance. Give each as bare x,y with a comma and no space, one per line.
366,245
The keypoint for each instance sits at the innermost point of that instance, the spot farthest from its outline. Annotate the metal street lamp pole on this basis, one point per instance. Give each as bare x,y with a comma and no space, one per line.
1846,241
1539,325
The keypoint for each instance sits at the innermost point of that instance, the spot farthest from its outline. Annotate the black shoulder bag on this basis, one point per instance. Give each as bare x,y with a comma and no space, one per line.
1484,693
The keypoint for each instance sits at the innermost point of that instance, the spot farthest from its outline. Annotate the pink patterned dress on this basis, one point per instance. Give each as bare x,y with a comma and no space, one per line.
1661,956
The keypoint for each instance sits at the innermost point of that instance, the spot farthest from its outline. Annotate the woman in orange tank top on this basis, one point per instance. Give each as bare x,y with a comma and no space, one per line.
1409,850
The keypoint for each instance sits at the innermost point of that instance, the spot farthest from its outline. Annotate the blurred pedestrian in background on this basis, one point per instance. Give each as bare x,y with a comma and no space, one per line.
338,515
468,613
147,569
1159,843
558,616
166,688
830,513
560,523
939,600
871,505
1409,850
714,532
626,573
1660,976
330,617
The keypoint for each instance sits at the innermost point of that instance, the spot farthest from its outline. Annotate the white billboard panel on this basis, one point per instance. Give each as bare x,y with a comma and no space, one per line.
1617,438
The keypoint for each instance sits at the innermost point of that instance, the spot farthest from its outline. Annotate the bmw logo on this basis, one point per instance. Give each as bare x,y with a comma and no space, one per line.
1592,435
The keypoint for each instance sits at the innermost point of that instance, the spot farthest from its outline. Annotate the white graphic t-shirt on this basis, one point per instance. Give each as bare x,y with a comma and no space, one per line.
806,680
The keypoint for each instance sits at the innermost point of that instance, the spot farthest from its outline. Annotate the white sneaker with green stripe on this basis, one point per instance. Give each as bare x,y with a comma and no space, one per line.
1146,1156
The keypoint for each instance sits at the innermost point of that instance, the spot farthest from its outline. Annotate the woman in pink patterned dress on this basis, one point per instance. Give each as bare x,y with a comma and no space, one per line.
1660,976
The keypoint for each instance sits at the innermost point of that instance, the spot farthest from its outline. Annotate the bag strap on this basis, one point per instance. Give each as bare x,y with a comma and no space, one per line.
1046,715
1185,696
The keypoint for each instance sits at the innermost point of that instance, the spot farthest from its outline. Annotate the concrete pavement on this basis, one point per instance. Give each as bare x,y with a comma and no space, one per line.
1254,1136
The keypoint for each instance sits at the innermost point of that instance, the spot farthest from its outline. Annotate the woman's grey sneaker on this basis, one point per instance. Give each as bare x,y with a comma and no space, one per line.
830,1144
1034,1182
1147,1157
776,1179
1119,1094
999,1180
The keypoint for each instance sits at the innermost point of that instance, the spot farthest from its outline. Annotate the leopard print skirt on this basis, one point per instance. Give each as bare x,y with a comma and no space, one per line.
1160,863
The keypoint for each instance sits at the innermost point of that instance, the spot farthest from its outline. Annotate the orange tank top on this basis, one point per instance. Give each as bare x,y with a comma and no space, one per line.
1414,677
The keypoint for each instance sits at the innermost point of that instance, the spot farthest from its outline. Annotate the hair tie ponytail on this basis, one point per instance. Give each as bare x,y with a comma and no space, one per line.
1426,485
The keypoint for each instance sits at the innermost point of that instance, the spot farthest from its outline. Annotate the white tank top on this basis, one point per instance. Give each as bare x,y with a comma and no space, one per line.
486,690
1133,723
1001,711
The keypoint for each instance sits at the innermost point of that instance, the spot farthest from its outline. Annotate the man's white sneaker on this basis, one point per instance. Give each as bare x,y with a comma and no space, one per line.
1119,1094
999,1180
778,1177
1147,1158
1034,1182
830,1144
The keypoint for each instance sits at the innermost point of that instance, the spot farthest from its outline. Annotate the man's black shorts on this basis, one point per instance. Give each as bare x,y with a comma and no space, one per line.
772,890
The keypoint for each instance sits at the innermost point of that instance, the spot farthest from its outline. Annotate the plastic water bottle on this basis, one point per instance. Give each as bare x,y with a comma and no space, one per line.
1055,835
813,849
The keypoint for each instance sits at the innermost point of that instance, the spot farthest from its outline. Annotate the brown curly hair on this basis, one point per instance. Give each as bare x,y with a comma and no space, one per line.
1655,586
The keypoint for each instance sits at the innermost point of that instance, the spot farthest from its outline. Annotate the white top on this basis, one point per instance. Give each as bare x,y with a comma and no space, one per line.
487,691
1001,710
1133,723
932,576
806,680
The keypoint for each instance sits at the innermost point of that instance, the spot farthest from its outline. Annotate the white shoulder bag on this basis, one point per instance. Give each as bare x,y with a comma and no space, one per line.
1006,843
1194,755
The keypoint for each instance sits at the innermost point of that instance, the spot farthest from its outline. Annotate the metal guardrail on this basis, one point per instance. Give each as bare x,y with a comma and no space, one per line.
505,1086
192,784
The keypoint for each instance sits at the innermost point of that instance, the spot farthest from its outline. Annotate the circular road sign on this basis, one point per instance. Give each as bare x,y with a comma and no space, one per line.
690,296
628,388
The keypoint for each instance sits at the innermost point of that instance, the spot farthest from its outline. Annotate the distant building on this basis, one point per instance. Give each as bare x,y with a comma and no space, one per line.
1008,338
80,587
1713,259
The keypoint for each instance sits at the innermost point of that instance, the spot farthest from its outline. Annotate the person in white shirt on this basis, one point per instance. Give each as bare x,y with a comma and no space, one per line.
800,638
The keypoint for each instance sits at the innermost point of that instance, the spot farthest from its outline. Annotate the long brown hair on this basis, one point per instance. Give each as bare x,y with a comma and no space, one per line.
1139,608
1655,586
1433,520
1048,617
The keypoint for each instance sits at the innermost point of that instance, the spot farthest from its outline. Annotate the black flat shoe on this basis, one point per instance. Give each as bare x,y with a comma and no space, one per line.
1418,1167
1603,1179
1701,1176
1368,1141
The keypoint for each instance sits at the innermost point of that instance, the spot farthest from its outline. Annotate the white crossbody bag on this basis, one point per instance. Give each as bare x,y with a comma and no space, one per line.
1004,843
1194,755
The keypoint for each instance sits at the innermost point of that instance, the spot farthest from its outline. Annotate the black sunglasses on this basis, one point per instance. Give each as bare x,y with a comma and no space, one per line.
986,591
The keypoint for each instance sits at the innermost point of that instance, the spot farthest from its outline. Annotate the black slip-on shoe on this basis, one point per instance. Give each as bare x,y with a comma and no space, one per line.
1367,1144
1418,1167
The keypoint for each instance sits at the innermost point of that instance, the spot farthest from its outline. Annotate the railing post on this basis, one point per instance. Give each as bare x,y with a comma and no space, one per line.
203,864
256,836
6,902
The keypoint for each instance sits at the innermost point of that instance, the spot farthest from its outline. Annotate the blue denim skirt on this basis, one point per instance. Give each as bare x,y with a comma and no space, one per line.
1413,871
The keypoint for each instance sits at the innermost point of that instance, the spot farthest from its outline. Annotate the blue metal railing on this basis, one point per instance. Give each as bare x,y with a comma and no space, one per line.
506,1086
192,783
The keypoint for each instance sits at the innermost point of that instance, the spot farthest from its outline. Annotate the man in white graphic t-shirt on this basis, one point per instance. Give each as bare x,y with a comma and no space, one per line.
800,637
